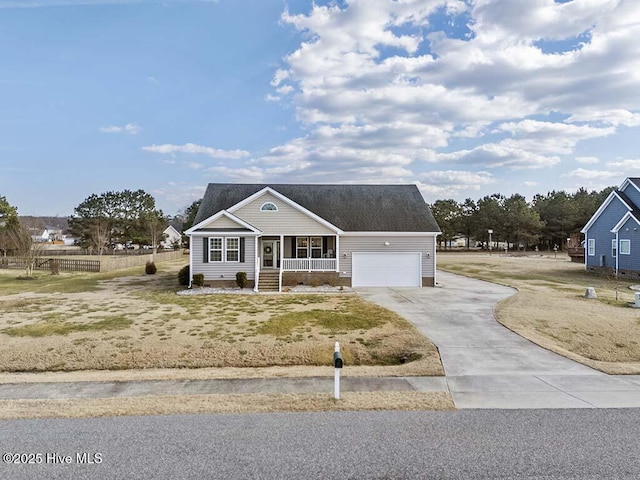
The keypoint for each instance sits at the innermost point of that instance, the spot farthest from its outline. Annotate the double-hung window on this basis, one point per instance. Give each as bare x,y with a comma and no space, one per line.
233,249
215,249
316,247
625,247
614,248
302,247
223,249
591,247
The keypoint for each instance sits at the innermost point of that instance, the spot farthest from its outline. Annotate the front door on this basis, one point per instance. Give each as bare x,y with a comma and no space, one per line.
270,255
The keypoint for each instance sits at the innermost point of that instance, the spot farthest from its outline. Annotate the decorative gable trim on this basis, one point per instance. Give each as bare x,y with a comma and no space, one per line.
602,208
213,218
289,202
624,219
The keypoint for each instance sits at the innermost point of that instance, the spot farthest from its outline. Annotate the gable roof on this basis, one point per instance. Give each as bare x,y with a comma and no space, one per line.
242,225
635,181
623,220
632,208
355,208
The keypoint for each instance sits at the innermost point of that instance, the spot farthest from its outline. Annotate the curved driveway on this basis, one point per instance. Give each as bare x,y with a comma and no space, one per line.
489,366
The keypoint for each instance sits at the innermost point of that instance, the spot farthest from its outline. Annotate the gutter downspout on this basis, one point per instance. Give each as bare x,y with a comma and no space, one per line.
617,254
435,260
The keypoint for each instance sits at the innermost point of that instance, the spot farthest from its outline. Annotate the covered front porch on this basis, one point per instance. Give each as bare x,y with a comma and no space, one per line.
298,253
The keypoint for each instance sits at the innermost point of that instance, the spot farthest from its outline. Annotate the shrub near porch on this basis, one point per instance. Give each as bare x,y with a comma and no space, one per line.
156,328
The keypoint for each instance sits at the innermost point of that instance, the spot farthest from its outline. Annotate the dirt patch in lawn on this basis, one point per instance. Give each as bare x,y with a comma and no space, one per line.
136,321
550,308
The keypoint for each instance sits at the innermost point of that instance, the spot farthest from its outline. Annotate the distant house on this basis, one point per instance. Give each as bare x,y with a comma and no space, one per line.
171,237
286,234
612,235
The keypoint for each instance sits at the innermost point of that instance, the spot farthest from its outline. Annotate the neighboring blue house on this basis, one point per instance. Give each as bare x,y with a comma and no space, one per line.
612,236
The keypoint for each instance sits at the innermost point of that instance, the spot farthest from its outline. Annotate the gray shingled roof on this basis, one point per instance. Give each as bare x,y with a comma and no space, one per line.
352,208
634,208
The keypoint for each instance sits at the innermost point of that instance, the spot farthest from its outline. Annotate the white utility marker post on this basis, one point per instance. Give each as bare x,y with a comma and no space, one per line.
337,364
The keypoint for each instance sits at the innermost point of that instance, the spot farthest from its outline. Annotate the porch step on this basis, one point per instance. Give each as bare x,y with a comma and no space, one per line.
268,281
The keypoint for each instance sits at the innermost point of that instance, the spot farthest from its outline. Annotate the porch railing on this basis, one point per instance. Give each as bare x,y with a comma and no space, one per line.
309,264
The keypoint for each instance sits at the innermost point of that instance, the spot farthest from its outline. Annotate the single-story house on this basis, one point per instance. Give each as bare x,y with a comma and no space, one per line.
171,237
612,235
287,234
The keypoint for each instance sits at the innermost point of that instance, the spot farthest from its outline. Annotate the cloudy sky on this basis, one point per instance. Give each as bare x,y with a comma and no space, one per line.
462,97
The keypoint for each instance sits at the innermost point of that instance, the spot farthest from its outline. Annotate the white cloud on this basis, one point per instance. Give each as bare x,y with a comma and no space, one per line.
192,148
588,160
241,175
178,195
386,90
610,117
452,183
498,155
589,175
129,128
626,165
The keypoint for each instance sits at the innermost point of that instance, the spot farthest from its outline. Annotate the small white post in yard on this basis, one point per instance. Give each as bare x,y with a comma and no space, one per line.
337,364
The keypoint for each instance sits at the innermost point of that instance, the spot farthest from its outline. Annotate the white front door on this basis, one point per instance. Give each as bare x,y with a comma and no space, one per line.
270,253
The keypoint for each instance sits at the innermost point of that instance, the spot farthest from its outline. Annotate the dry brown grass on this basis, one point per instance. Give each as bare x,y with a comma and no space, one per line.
234,404
550,308
89,322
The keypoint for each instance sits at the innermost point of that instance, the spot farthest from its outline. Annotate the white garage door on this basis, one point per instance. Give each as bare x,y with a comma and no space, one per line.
386,269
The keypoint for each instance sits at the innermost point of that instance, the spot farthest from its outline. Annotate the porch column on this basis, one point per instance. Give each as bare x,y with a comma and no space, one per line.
281,252
256,265
337,253
190,260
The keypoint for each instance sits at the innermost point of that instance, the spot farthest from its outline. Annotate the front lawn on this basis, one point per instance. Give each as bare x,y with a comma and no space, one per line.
136,321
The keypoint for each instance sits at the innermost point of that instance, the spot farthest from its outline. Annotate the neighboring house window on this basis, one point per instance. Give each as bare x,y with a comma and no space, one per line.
268,207
625,247
591,247
233,249
316,247
215,249
302,247
614,248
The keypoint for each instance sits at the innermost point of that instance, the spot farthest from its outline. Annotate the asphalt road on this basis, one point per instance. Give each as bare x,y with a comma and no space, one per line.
467,444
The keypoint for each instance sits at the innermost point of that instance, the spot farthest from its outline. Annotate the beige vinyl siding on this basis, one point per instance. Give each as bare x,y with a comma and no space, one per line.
228,270
424,245
223,222
286,221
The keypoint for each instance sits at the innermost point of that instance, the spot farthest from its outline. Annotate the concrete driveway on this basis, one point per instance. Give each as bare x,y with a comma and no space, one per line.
487,365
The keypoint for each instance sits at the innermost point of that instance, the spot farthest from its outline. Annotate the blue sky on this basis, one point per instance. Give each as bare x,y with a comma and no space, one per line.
463,98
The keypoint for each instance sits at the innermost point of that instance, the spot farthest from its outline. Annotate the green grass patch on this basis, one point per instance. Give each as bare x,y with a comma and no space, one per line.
47,328
330,321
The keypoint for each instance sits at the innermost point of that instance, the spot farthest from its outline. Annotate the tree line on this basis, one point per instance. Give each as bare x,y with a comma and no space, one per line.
548,220
99,222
